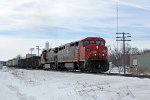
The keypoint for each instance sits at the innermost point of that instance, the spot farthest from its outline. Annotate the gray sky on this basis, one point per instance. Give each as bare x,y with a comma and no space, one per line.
27,23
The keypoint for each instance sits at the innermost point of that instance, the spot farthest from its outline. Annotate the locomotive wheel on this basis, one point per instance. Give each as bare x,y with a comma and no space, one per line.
104,66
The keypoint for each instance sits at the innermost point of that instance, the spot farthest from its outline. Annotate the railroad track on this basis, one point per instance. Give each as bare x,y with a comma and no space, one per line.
128,75
108,74
94,73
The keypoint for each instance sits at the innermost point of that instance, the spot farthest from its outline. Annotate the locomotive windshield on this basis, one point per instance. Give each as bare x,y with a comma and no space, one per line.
100,42
87,42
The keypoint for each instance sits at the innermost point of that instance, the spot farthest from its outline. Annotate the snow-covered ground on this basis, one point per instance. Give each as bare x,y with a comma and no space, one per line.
19,84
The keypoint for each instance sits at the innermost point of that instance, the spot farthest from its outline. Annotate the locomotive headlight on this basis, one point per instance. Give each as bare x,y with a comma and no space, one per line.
95,54
103,55
97,46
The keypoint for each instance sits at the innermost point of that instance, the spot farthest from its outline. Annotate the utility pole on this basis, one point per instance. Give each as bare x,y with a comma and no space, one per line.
31,49
123,38
117,19
38,48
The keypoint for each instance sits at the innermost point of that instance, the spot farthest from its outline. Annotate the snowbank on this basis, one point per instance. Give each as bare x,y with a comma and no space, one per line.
18,84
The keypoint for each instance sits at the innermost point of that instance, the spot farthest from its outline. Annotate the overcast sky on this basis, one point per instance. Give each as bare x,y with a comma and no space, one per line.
27,23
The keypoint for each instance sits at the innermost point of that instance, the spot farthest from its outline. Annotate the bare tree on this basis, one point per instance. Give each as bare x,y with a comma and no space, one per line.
116,55
145,51
135,50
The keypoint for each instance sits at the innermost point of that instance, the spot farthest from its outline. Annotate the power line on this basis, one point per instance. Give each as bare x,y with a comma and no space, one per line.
133,5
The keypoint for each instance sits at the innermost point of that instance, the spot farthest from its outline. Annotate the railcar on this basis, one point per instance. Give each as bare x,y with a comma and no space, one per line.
31,62
22,63
12,62
9,63
89,54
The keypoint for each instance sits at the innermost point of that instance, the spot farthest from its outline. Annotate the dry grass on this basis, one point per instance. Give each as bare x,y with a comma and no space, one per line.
139,70
143,70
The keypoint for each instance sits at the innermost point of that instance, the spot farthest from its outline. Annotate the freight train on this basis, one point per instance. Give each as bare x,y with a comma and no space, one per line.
87,55
29,62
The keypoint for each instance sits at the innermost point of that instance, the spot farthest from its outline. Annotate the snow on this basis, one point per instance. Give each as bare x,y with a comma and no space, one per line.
19,84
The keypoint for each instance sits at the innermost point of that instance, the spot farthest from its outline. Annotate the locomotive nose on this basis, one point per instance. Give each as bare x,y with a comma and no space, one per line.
96,52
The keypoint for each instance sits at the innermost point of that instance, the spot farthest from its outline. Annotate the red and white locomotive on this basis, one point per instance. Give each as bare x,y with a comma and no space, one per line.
89,54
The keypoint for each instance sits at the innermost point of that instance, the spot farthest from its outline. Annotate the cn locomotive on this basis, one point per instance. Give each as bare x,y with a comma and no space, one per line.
89,54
